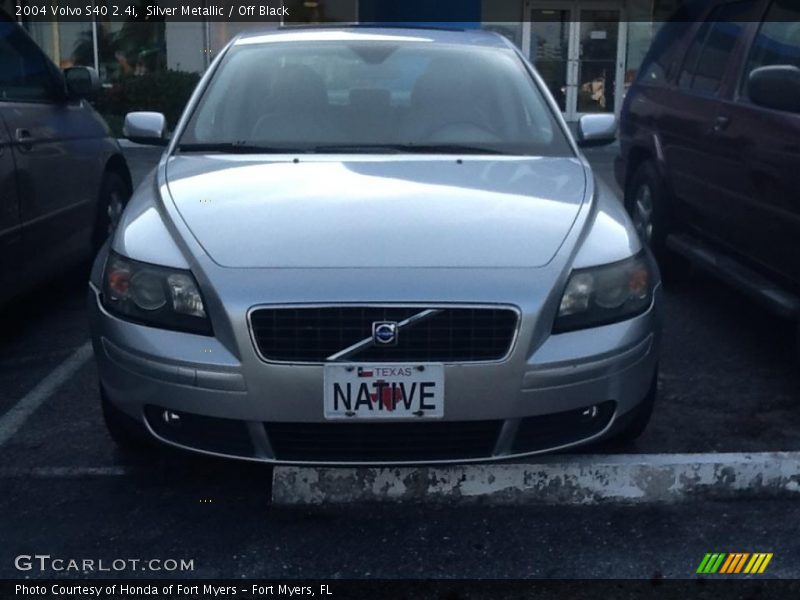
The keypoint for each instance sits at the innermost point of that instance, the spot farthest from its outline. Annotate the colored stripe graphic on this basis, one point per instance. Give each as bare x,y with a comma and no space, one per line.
741,562
711,562
730,564
717,563
764,564
727,564
755,562
734,563
704,563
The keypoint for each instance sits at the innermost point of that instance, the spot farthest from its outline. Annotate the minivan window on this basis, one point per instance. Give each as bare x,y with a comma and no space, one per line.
710,52
374,96
778,39
25,75
658,63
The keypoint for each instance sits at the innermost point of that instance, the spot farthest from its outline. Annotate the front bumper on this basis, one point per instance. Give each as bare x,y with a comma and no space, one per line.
573,389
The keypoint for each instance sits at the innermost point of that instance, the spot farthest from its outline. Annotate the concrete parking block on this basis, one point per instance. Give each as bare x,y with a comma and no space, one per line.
569,480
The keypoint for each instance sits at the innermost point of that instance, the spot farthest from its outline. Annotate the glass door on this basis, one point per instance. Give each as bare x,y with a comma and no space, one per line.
597,65
550,43
578,50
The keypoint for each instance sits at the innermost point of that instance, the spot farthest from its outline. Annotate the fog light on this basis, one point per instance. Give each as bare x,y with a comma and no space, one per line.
171,418
590,413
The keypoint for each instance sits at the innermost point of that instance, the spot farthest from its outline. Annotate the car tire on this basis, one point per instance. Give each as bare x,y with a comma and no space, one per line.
128,434
114,196
638,419
647,203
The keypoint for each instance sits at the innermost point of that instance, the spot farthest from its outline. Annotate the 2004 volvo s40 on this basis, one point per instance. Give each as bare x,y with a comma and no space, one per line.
374,246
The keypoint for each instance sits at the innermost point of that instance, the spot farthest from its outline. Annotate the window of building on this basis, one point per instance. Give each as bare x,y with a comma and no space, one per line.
778,39
127,48
709,53
68,43
118,49
25,74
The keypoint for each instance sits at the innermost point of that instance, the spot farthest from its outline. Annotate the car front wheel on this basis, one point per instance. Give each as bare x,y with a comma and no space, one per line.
647,203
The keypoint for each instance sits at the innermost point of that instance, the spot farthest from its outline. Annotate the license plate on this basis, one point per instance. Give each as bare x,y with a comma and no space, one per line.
384,391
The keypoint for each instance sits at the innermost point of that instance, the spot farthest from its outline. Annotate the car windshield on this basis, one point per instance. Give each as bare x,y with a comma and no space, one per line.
373,96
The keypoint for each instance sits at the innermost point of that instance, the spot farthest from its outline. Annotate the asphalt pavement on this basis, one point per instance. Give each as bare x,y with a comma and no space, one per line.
729,382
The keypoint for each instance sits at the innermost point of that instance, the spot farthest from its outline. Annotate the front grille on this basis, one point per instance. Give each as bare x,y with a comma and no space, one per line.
451,335
367,442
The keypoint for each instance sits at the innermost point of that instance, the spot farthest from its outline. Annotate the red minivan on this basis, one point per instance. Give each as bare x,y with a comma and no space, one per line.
710,146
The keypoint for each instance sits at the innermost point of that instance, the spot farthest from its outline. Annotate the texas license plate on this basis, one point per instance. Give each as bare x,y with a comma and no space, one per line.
396,391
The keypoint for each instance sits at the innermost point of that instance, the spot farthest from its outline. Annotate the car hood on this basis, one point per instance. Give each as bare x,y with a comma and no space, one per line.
318,212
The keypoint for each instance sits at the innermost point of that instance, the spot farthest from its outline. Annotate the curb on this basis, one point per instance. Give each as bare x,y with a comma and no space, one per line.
569,480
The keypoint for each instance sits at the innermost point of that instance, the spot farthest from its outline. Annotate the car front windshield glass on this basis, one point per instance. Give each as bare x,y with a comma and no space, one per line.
373,96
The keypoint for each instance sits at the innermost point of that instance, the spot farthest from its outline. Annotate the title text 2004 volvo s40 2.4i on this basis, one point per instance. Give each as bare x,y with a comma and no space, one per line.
374,246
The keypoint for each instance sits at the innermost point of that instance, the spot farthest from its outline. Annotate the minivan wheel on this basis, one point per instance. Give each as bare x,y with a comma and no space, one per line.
114,196
647,203
642,211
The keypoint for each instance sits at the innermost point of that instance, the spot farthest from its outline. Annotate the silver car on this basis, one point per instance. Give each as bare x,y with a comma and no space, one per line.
374,246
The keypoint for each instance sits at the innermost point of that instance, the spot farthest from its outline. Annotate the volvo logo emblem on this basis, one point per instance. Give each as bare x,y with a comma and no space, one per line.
384,333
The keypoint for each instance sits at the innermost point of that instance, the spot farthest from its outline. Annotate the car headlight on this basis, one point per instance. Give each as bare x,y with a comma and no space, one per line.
606,294
152,295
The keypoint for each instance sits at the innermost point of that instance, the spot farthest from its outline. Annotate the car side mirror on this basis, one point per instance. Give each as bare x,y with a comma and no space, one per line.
776,87
597,130
81,82
145,128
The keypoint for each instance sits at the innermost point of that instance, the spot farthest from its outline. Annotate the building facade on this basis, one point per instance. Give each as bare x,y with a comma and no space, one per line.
588,51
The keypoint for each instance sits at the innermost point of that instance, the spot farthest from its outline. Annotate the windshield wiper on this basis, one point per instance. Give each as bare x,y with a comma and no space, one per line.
407,149
451,149
358,148
247,148
239,148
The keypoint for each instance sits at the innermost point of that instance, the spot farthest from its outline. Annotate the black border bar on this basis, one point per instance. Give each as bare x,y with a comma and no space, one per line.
654,588
468,14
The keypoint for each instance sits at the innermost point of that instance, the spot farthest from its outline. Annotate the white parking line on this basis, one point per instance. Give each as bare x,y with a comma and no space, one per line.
19,361
22,410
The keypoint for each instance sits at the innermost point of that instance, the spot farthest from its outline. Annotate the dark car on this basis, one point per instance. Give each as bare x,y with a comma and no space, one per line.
63,179
710,146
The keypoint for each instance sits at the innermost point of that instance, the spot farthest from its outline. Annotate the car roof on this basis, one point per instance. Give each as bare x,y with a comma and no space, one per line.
440,35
